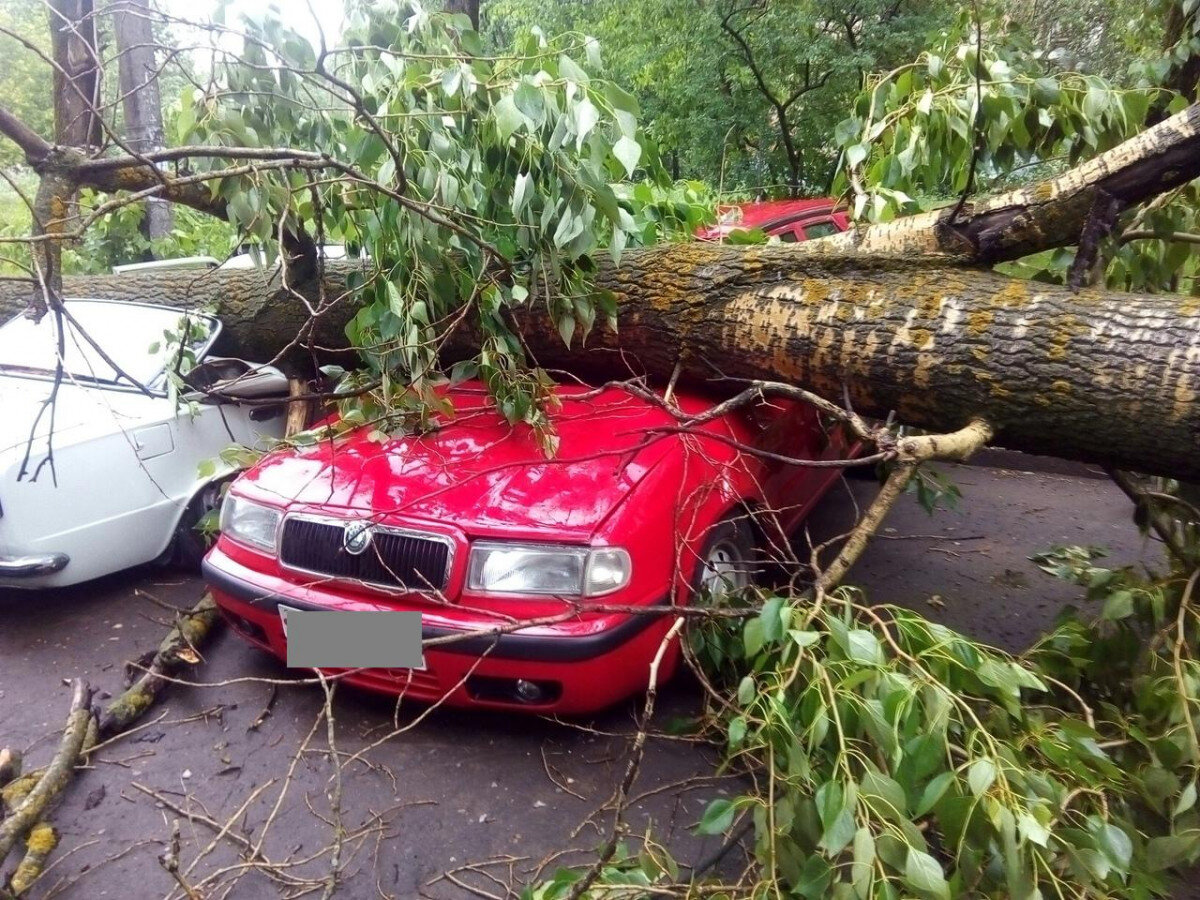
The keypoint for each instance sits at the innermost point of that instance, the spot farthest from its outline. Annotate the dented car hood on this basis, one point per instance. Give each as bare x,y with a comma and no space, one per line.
480,473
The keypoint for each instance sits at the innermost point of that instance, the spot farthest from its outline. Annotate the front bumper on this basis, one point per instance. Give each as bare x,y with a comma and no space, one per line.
32,566
589,667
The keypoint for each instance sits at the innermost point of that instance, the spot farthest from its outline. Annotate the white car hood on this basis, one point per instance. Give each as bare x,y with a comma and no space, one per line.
80,413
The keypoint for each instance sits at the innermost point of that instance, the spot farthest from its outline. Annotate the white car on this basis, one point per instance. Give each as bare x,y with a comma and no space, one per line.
100,467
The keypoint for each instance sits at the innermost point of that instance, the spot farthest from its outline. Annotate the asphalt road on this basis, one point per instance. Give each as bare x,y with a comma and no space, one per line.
457,789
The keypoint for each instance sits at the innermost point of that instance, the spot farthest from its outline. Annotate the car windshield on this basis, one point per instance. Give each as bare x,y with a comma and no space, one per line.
107,343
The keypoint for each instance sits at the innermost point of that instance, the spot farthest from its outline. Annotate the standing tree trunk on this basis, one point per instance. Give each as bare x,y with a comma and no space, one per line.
140,98
469,8
77,73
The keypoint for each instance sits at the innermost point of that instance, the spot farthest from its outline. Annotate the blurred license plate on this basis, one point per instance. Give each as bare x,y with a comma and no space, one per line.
352,639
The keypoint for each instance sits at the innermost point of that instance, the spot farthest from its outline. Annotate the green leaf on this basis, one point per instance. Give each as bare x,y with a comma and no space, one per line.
508,117
737,731
569,69
856,153
1116,845
923,874
584,117
628,152
522,191
862,646
591,47
531,103
835,807
1172,850
186,119
566,327
981,776
1187,799
746,690
451,79
805,638
717,817
814,878
1119,605
884,795
933,792
1095,102
752,637
863,866
1046,91
1033,830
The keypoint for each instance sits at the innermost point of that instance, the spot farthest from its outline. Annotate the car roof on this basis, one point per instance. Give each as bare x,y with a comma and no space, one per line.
157,265
765,214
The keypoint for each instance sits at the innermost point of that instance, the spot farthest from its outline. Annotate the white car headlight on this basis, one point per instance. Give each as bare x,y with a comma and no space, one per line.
504,568
249,523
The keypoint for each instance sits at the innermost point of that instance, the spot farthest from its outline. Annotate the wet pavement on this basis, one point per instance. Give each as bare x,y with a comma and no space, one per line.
435,792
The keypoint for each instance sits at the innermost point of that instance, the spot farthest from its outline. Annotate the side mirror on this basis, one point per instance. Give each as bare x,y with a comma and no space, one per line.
228,380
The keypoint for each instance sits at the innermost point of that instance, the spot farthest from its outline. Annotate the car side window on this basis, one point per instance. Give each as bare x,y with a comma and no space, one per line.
788,237
820,229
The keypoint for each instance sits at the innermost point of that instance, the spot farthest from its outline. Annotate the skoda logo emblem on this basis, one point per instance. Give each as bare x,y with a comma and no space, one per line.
356,538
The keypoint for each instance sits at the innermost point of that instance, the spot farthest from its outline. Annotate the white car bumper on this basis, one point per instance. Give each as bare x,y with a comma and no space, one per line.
32,566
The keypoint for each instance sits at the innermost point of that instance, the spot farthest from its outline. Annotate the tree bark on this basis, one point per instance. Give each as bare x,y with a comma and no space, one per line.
469,8
177,647
56,776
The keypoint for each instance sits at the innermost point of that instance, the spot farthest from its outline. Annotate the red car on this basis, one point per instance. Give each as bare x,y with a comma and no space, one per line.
789,220
476,528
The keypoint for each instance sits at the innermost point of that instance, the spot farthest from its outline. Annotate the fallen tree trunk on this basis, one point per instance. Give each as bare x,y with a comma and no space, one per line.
55,776
1096,376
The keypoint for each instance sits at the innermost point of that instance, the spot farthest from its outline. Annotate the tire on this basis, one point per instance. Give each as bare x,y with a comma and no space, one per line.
188,546
729,561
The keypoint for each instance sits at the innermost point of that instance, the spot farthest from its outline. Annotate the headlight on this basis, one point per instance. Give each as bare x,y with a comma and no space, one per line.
503,568
249,523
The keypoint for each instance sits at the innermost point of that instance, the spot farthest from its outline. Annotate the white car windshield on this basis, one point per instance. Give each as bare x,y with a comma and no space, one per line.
109,342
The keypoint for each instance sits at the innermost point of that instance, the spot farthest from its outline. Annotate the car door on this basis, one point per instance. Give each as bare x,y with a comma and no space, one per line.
788,428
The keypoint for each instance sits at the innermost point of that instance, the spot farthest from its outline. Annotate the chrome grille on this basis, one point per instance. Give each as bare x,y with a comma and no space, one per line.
394,558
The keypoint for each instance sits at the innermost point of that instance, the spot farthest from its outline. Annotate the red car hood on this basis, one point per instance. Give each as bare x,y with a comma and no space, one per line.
482,474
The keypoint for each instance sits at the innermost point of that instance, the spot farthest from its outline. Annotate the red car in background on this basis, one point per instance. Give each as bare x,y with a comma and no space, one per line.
472,525
789,220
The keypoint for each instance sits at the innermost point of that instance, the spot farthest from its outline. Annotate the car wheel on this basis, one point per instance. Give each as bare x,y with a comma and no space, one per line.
729,562
189,545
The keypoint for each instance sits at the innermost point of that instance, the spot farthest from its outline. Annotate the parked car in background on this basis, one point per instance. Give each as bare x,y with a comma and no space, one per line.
789,220
99,468
168,265
253,257
474,527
